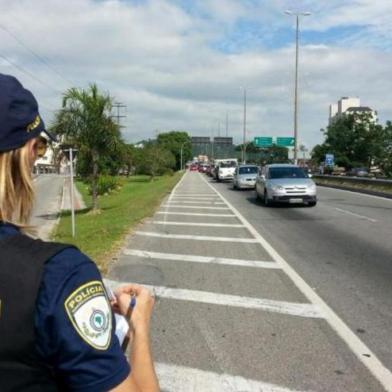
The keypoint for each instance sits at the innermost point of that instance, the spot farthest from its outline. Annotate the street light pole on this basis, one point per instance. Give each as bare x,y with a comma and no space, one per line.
297,15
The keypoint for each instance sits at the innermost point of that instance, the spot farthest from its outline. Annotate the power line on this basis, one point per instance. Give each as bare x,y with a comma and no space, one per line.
28,73
37,56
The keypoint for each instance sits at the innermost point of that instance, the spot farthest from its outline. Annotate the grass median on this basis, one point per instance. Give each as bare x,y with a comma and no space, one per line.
101,235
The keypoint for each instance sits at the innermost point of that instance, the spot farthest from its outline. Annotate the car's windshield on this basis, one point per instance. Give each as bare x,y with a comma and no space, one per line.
286,172
228,164
247,170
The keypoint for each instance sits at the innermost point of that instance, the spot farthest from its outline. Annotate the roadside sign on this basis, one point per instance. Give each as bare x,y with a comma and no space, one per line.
329,159
263,141
285,141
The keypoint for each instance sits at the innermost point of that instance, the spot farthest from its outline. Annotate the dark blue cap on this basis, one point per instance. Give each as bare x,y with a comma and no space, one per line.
19,117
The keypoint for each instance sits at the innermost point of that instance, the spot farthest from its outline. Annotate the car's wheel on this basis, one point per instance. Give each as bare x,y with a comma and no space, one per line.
312,203
267,202
234,186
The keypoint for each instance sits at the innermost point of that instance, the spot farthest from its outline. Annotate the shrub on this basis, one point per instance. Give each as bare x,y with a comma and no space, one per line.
106,184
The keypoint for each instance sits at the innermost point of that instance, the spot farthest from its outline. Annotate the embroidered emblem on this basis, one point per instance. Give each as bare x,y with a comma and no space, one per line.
34,124
90,314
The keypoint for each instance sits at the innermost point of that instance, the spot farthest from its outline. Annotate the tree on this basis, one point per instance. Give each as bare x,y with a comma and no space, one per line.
157,160
354,139
173,141
85,121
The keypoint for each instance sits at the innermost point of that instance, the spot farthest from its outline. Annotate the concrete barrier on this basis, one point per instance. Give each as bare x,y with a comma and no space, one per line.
372,186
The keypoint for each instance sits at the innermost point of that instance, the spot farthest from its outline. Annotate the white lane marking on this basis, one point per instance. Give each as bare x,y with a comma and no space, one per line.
194,202
197,224
174,378
195,214
201,259
196,237
268,305
357,193
174,190
361,351
356,215
197,207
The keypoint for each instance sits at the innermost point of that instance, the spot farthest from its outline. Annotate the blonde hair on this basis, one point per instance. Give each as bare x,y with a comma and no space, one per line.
16,187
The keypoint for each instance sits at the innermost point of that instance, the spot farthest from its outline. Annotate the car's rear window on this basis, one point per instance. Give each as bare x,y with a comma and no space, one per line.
286,172
247,170
228,164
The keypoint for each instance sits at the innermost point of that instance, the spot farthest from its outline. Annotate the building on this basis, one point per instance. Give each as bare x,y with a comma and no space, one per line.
349,105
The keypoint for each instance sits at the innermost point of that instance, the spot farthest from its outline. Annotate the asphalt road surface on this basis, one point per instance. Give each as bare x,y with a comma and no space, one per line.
251,298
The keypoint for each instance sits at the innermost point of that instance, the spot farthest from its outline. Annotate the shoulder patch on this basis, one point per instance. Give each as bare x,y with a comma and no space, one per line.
91,315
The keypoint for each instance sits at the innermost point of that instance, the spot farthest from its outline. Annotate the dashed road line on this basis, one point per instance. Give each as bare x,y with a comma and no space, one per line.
359,348
201,259
356,215
304,310
195,214
196,237
201,224
180,378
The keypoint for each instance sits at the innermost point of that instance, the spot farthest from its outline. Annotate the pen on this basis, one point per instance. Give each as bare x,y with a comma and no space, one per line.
129,335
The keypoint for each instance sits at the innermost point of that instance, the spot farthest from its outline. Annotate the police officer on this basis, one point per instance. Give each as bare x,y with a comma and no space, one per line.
57,330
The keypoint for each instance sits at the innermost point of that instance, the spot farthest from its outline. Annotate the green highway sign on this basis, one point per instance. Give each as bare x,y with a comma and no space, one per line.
285,141
263,141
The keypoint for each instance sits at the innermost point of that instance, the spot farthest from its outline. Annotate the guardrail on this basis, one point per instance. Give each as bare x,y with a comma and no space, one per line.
372,186
358,180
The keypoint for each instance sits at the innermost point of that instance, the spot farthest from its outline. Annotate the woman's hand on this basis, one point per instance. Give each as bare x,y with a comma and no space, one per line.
141,314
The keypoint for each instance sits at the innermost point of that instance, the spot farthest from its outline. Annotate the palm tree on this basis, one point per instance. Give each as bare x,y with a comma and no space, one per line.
85,121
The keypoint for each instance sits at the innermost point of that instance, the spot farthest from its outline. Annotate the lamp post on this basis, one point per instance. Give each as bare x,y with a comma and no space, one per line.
297,15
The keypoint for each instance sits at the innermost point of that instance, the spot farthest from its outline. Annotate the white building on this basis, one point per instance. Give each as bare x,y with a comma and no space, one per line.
349,105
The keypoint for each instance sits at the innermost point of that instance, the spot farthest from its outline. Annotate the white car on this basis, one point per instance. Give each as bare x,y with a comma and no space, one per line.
245,177
225,169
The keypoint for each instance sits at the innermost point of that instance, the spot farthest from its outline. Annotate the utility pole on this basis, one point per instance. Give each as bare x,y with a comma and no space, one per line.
227,124
244,130
118,106
297,15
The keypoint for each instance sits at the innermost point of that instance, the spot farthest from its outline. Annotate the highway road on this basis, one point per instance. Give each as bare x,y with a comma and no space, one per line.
251,298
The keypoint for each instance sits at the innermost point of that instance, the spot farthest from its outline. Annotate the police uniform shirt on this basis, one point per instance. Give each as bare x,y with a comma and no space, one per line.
75,329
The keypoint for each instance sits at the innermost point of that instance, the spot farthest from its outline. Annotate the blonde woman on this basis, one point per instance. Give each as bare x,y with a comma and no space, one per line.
57,330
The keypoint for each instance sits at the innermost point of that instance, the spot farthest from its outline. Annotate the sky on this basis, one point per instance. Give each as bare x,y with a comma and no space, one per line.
184,65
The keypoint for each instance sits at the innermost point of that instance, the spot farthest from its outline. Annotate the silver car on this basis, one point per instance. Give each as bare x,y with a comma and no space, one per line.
283,183
245,177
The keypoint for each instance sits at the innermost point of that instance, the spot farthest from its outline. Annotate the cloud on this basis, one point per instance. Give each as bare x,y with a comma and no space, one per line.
161,59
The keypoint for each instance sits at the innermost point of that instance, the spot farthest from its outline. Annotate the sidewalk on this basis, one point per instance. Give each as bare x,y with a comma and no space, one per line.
52,196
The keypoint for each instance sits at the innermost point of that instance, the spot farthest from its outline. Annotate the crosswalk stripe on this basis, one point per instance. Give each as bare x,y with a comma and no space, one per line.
196,207
201,259
194,202
288,308
197,224
173,378
195,214
196,237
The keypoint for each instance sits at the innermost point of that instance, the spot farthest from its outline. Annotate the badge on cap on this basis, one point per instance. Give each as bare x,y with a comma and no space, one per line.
34,124
90,314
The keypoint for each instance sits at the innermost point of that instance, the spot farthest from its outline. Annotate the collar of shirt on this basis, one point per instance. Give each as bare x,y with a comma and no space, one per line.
7,229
